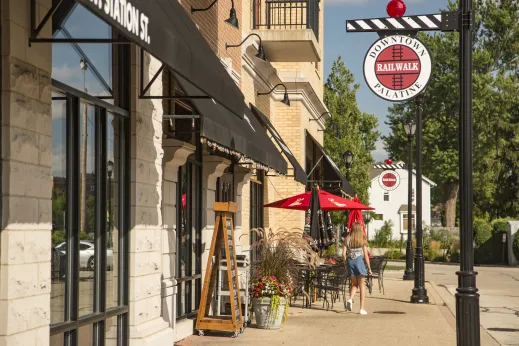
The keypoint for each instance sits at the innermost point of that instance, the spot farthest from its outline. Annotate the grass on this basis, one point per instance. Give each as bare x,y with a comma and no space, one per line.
391,267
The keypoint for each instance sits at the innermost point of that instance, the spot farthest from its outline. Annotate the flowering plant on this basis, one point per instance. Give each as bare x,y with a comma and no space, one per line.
330,260
269,286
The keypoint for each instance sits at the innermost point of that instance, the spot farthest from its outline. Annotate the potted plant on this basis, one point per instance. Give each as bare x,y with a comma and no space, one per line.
275,273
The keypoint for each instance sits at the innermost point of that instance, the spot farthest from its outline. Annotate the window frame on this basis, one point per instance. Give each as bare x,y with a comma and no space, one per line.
194,162
72,323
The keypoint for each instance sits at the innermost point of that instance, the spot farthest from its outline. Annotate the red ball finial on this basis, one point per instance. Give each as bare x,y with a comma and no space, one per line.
389,161
396,8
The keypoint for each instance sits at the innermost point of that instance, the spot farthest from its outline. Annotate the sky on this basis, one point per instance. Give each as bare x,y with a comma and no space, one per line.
352,47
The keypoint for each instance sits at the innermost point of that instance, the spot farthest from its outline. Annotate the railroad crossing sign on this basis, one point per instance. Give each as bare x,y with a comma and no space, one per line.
462,21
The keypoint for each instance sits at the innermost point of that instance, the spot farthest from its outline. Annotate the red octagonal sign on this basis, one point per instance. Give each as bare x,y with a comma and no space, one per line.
389,180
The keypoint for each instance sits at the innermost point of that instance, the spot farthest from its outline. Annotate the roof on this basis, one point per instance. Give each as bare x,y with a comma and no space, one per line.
403,208
378,168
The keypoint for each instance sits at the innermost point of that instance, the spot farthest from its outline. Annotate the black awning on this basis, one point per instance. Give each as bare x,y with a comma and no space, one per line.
332,173
299,172
164,29
245,136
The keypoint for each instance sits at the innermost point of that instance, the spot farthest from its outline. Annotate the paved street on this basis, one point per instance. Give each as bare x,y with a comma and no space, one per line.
499,296
391,321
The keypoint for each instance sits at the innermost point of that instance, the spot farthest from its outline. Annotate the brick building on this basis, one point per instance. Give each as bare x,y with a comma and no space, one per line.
136,116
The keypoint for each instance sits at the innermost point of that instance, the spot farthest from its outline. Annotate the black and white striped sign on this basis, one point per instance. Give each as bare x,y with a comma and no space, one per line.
427,22
384,166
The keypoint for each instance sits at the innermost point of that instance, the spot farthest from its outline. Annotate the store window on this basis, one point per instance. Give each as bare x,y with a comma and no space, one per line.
256,209
405,222
90,137
189,226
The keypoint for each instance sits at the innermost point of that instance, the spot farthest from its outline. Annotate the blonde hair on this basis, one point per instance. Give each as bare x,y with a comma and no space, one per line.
357,237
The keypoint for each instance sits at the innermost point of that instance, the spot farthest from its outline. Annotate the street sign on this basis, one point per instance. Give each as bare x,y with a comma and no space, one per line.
389,180
397,68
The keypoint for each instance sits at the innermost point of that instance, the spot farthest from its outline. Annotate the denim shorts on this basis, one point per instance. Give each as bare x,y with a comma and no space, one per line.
357,267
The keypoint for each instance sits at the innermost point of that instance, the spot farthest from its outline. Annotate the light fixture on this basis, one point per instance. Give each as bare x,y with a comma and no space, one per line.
395,8
347,157
110,167
409,128
233,20
322,115
83,64
285,100
261,51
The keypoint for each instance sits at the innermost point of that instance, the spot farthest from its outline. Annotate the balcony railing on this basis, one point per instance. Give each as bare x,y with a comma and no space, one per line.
286,15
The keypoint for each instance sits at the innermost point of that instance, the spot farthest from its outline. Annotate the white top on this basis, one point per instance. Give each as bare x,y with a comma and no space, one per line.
353,253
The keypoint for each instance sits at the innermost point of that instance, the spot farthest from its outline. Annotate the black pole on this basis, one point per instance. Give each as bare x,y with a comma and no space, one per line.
409,273
419,292
467,297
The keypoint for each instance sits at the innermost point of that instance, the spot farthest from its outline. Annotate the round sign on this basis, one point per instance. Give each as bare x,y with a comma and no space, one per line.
397,68
389,180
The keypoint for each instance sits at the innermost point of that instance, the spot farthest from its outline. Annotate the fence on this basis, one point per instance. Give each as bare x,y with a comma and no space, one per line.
286,15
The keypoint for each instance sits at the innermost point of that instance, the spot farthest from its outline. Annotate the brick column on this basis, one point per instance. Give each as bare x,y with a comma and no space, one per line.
175,156
147,327
25,253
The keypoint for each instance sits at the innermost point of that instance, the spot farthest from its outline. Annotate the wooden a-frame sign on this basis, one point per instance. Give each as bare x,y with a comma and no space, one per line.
223,236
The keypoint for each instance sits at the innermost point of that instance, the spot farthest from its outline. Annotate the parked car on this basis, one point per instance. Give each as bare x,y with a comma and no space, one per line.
86,254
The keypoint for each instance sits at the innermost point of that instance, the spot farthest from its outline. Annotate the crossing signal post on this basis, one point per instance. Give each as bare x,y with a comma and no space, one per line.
462,21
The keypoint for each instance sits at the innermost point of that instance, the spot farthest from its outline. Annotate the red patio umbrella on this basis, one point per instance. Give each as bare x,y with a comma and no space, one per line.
356,216
328,202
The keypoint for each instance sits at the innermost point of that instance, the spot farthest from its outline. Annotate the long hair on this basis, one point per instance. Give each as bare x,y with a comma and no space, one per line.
357,237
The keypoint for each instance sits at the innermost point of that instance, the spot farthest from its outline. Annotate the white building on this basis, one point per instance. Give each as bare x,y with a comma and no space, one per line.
388,195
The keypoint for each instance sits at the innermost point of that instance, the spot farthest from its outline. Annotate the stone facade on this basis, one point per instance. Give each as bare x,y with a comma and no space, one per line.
26,149
25,237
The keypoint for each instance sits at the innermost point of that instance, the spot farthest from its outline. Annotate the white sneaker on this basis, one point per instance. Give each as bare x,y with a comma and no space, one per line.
363,312
349,305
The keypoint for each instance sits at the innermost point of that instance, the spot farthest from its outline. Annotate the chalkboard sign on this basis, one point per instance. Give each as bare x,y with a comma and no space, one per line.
223,239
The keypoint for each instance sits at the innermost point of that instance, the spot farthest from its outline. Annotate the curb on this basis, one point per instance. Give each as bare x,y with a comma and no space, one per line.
457,264
449,301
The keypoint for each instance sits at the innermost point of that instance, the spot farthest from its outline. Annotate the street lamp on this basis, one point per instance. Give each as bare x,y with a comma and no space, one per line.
285,100
410,129
110,169
347,157
419,292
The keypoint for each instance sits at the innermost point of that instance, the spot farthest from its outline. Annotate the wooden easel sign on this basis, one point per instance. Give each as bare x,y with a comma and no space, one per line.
223,237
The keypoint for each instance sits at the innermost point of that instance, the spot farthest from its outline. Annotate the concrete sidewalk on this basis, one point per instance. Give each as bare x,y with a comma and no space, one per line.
392,320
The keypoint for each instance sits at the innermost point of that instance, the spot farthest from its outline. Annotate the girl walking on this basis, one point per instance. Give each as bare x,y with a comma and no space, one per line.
355,253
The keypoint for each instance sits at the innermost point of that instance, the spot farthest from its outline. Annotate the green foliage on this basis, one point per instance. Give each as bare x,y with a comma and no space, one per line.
330,252
482,231
495,111
383,235
500,226
357,130
58,237
516,245
394,254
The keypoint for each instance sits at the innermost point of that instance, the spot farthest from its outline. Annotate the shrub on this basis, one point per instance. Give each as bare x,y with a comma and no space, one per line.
58,237
482,231
431,254
455,257
435,245
516,245
330,251
394,254
383,235
500,226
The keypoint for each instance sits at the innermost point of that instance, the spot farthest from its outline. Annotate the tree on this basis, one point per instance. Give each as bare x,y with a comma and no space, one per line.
357,129
495,63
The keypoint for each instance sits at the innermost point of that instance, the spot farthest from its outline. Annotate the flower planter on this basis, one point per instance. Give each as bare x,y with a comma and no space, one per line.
265,318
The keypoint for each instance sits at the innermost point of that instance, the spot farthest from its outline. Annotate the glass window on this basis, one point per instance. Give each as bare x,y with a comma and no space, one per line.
386,196
405,222
96,79
59,206
189,236
256,210
88,143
